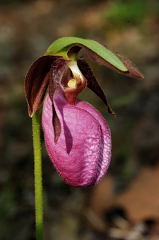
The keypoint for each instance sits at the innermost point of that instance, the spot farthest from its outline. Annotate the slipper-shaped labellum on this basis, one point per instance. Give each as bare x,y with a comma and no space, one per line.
83,150
77,137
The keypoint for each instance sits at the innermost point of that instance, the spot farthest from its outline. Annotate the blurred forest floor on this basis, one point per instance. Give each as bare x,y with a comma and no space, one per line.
125,205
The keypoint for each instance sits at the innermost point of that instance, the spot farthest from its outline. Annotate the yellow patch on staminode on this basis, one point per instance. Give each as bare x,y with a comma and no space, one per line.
72,83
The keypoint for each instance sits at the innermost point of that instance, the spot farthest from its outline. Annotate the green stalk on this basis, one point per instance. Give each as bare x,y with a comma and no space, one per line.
37,177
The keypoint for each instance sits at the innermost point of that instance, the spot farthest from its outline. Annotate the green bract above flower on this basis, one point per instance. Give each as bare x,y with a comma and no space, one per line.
66,43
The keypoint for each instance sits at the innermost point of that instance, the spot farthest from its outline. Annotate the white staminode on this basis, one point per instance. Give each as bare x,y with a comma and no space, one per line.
77,75
72,83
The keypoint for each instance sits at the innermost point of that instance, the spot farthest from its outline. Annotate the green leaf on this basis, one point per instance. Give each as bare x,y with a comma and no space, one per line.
65,43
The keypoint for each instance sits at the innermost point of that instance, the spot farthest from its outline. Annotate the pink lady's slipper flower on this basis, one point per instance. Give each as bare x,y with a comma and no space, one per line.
77,137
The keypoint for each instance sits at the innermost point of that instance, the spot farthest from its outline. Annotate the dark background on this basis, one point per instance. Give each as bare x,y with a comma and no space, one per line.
130,27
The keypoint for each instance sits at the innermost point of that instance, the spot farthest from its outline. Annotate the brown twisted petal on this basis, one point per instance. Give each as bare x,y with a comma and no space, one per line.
57,72
92,83
36,82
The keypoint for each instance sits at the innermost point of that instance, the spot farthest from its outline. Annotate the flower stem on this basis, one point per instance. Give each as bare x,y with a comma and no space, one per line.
37,177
